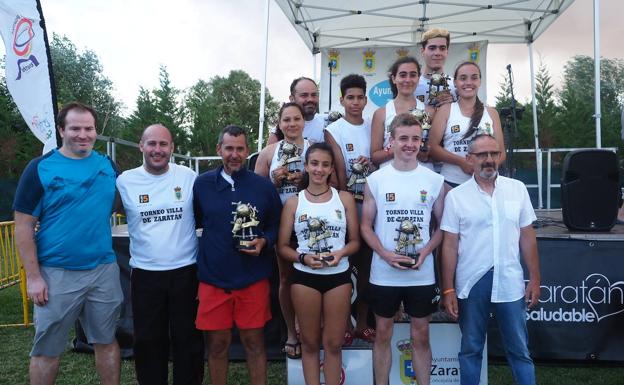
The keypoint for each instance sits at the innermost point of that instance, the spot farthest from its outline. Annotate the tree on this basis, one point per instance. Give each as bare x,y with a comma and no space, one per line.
577,102
234,99
79,77
162,105
547,110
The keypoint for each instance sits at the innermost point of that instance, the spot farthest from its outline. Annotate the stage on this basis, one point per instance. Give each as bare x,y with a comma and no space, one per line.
581,307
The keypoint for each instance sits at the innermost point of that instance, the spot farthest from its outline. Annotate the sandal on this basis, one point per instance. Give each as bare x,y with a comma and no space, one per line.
367,334
292,350
348,338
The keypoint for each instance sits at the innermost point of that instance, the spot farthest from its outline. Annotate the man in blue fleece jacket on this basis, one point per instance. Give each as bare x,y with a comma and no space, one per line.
234,285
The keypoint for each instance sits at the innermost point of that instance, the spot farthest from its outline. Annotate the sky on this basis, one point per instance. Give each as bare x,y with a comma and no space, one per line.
199,39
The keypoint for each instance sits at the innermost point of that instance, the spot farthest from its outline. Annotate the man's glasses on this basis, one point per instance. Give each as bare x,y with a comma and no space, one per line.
484,155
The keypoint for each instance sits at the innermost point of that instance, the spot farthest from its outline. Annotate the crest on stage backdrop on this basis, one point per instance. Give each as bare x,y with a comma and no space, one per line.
402,52
473,52
334,61
368,57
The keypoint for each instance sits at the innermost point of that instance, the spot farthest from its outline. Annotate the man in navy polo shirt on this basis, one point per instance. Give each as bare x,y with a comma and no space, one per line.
234,285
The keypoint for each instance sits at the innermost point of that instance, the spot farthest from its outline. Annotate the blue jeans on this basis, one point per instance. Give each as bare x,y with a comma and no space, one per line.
474,313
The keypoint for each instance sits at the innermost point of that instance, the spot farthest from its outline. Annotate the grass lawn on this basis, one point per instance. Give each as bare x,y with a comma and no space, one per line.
79,368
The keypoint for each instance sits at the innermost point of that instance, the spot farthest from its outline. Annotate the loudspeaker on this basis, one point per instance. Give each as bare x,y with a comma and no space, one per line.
590,190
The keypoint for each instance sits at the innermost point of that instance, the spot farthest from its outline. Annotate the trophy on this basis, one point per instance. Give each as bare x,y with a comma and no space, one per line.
425,122
407,238
331,117
245,220
289,157
438,85
317,241
356,181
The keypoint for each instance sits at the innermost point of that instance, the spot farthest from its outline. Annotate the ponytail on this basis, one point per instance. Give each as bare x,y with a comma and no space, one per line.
475,119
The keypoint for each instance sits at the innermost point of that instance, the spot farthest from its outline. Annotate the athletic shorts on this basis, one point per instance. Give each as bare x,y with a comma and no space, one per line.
418,301
220,309
321,282
92,296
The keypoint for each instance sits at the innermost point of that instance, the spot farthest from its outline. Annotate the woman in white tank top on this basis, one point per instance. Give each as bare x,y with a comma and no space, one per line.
404,75
455,124
322,218
271,164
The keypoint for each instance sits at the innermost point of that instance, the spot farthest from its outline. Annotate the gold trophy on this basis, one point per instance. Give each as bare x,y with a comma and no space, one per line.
438,85
289,157
408,237
425,122
244,222
356,181
317,241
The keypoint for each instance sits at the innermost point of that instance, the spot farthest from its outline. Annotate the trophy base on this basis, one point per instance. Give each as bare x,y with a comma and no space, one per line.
244,245
410,265
358,197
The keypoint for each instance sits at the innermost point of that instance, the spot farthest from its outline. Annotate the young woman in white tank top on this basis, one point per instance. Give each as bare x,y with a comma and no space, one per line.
404,75
455,124
322,218
291,124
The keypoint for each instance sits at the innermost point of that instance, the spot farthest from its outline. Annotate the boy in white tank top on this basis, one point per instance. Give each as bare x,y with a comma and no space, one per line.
399,203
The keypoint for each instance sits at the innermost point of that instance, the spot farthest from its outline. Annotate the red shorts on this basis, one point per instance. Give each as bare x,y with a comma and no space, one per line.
248,308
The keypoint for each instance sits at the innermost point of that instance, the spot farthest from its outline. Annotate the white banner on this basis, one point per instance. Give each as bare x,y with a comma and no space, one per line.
26,64
357,368
373,64
445,339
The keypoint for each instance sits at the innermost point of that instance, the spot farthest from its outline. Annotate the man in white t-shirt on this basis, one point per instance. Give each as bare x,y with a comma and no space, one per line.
400,201
158,201
487,225
434,50
304,92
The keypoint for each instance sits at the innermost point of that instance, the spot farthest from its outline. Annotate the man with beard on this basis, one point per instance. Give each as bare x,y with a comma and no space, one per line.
304,92
158,201
489,219
234,284
434,50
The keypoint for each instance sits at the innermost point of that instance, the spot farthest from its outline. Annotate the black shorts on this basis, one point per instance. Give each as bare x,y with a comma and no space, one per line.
418,301
321,282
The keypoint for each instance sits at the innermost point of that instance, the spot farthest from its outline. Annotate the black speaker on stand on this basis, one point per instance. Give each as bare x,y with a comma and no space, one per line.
590,190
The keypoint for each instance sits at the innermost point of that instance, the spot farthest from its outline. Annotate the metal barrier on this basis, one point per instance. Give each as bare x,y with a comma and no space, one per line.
11,269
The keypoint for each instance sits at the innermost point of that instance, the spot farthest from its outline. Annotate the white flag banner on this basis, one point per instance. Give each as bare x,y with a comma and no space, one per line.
27,75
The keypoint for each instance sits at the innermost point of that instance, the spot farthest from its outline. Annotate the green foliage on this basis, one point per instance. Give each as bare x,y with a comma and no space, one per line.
79,76
221,101
161,105
566,118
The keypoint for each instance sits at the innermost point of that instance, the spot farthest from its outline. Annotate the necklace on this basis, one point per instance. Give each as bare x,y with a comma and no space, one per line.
317,195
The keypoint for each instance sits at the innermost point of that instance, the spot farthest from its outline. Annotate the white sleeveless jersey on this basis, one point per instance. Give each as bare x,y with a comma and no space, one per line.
390,114
354,141
333,214
286,190
401,195
456,128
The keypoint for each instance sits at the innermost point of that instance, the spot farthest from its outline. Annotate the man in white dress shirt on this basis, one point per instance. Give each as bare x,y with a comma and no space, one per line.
487,225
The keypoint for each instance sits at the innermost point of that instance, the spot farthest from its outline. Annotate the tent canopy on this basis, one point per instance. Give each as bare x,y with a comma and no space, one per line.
362,23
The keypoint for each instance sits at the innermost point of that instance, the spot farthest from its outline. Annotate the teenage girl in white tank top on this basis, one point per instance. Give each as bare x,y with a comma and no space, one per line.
322,218
404,75
455,124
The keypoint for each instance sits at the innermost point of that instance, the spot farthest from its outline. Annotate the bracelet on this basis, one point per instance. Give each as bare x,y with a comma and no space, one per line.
302,259
448,291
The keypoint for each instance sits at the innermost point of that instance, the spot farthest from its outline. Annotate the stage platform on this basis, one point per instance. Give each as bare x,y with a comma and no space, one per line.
549,224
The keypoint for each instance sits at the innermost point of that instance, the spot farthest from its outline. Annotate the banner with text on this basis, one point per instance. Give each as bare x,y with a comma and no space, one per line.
27,75
373,64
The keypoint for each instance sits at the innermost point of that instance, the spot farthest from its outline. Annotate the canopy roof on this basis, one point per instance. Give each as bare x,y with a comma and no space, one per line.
362,23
